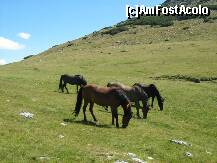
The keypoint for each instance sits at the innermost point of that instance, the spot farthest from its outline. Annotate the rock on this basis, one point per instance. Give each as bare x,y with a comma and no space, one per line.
118,161
61,136
137,160
63,124
180,142
208,152
27,114
131,154
44,158
188,154
150,158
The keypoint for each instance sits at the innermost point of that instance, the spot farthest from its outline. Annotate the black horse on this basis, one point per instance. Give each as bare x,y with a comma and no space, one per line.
77,80
152,91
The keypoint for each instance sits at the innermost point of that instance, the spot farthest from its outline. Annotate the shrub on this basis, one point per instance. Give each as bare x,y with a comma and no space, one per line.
163,21
29,56
185,28
116,30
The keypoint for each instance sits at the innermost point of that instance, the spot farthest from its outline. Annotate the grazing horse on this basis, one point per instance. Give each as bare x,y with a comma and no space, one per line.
135,94
104,96
77,80
153,92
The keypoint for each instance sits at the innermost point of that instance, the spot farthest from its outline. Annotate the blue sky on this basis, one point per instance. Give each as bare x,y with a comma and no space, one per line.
31,26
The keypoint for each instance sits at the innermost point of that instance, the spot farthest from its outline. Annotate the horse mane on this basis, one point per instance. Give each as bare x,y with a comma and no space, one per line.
118,84
124,100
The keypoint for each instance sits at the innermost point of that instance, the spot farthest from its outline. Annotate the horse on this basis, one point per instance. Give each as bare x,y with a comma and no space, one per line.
77,80
104,96
152,92
135,94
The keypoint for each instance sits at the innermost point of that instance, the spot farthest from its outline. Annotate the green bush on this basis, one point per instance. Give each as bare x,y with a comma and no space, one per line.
163,21
29,56
116,30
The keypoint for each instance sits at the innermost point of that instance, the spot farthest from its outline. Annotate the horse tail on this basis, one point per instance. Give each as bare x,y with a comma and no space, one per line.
60,84
79,102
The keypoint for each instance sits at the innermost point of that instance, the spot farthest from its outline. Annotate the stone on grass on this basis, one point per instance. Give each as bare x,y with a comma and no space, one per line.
27,114
188,154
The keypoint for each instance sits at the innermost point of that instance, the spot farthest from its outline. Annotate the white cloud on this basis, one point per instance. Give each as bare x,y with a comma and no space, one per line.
9,44
24,35
2,62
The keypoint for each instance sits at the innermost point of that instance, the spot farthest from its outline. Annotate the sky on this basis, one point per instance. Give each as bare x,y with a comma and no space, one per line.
28,27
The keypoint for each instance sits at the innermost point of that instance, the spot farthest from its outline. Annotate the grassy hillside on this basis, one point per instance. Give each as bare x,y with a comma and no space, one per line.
138,54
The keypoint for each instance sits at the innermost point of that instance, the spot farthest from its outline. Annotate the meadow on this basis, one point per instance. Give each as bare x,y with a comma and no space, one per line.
139,54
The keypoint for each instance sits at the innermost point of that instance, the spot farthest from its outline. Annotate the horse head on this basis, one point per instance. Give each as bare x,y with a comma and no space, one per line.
127,115
160,103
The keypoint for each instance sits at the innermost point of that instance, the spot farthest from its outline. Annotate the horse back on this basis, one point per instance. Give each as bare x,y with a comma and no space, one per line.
103,96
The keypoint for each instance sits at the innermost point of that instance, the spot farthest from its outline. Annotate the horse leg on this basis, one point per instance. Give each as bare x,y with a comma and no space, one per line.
113,117
64,85
137,109
152,101
77,88
91,111
62,88
84,110
115,112
145,109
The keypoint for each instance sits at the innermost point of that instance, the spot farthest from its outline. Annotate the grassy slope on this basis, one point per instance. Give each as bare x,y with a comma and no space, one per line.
190,109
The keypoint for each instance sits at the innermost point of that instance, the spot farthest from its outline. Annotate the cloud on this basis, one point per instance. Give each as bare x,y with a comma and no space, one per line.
2,62
9,44
24,35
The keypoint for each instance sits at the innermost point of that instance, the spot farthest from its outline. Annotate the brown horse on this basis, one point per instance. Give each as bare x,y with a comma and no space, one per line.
135,94
104,96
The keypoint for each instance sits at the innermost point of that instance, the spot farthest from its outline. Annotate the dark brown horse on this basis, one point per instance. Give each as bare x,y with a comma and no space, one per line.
77,80
152,91
104,96
135,94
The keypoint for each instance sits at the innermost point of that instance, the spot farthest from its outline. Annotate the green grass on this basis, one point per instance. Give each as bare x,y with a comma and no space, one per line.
189,113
